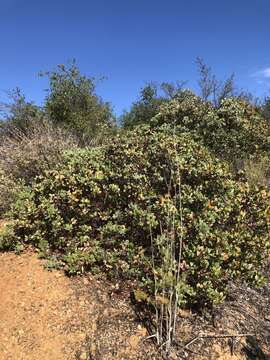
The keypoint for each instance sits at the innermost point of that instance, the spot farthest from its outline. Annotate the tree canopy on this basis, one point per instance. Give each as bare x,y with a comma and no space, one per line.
73,103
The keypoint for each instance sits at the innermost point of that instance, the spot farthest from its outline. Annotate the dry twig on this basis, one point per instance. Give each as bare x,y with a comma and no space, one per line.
216,336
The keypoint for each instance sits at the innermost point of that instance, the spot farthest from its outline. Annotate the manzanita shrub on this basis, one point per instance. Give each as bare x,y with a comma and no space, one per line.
97,210
234,131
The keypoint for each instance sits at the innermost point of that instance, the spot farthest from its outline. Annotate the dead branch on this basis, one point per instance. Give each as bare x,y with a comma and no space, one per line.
216,336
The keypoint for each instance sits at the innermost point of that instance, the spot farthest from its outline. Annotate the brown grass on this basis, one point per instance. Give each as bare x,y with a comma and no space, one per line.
23,156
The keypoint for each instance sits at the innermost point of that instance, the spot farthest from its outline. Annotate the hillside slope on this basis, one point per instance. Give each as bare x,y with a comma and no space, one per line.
46,315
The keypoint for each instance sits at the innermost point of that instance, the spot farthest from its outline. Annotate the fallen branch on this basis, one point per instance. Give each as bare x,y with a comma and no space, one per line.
241,308
216,336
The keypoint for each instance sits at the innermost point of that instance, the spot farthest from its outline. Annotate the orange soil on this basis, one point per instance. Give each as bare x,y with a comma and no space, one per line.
34,323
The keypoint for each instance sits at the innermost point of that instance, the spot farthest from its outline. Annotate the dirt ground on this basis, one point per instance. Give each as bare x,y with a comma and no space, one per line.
47,315
33,312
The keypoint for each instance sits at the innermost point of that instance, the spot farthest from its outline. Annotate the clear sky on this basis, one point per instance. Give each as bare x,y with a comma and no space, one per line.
133,41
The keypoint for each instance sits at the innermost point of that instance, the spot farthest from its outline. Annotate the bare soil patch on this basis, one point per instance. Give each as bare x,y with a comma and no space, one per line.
47,315
33,312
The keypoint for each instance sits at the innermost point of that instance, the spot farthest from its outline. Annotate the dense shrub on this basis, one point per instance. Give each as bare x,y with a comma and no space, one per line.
96,209
8,190
7,239
243,131
234,131
20,113
147,106
72,102
265,109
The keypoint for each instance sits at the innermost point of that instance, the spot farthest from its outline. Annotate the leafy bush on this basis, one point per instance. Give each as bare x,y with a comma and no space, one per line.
7,239
20,113
243,132
73,103
234,131
8,190
96,209
147,106
265,109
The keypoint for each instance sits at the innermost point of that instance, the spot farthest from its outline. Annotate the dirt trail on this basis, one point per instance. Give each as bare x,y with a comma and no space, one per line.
34,320
46,315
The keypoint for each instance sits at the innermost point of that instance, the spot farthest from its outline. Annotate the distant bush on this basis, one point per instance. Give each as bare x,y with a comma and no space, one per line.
25,154
19,113
234,131
152,96
95,211
73,104
265,109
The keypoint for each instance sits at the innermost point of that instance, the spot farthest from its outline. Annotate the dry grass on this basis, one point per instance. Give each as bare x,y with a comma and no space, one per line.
258,171
25,155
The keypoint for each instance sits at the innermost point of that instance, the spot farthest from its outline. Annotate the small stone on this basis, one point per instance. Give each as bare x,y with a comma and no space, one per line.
81,336
142,331
173,356
92,349
134,341
184,313
84,356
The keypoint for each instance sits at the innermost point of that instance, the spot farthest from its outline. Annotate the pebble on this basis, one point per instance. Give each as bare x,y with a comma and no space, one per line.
83,356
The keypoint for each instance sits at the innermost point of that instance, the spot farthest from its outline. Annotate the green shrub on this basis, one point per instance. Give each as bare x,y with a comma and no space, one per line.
8,190
20,113
96,209
7,239
234,131
244,132
72,103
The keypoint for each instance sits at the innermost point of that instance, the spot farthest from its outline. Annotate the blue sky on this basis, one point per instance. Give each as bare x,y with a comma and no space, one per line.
132,42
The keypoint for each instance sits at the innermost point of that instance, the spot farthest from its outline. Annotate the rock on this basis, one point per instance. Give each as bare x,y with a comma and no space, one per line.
81,336
83,355
134,341
184,313
142,331
173,356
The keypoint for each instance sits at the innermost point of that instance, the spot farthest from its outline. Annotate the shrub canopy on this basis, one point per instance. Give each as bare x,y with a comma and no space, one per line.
73,103
96,210
234,131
